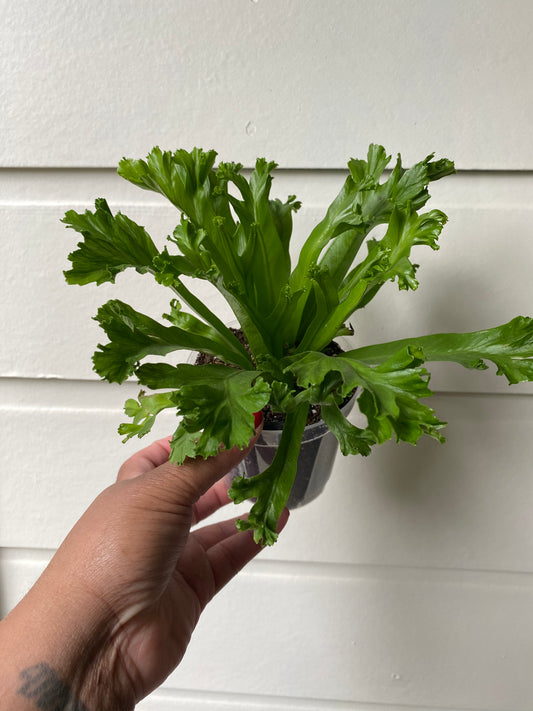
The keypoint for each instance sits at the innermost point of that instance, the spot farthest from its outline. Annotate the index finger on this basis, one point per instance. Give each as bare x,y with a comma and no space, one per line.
213,499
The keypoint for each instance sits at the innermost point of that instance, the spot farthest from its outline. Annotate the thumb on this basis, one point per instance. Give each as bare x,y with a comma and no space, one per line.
186,483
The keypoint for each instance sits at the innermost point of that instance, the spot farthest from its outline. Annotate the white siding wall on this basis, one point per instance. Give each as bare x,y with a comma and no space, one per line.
409,583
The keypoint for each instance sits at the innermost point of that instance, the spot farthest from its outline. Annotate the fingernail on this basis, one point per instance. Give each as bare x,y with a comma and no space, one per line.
258,418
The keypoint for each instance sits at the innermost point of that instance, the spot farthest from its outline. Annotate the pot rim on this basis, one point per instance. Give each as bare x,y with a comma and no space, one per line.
311,432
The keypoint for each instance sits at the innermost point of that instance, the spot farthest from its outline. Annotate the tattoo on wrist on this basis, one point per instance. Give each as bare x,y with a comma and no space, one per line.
48,691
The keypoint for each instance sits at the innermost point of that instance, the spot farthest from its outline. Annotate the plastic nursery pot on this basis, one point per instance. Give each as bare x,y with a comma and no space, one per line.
315,460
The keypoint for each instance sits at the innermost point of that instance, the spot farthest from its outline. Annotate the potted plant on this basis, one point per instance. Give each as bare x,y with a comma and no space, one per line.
234,235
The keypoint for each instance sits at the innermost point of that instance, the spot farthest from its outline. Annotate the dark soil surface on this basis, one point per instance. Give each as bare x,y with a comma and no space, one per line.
272,420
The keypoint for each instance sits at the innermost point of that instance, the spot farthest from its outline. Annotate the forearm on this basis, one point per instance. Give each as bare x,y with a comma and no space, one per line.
51,660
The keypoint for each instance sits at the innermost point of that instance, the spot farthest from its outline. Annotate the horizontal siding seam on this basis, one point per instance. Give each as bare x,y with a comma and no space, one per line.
47,380
345,572
168,693
393,573
285,170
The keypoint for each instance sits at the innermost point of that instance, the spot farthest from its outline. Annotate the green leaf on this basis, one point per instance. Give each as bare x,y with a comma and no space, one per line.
322,301
272,487
282,216
366,174
189,181
390,392
282,397
246,262
143,412
186,178
363,203
341,252
195,259
352,439
406,229
387,260
321,331
111,244
263,236
509,347
217,404
134,335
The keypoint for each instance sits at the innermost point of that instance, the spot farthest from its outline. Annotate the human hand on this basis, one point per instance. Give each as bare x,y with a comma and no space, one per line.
131,580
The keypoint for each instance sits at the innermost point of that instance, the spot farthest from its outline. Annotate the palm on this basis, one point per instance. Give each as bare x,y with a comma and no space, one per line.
175,573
